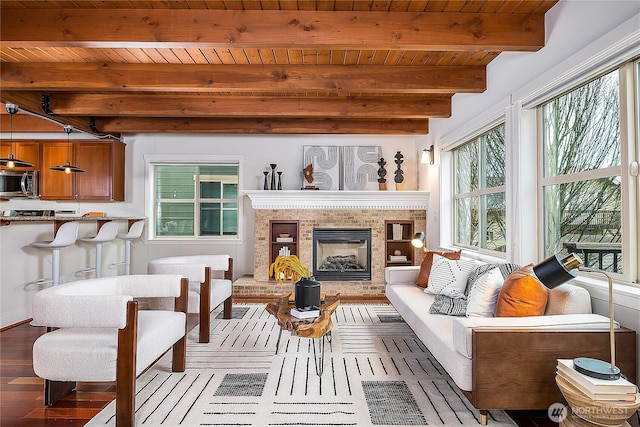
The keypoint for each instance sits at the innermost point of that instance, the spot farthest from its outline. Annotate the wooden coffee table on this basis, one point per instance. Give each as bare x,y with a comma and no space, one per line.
318,328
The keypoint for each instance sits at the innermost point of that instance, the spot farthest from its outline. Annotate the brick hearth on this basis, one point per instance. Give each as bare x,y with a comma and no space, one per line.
330,209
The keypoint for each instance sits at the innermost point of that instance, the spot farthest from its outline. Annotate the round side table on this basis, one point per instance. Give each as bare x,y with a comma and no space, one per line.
587,412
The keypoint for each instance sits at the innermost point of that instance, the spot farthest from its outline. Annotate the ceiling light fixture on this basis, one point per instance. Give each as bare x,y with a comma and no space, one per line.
67,167
10,161
427,155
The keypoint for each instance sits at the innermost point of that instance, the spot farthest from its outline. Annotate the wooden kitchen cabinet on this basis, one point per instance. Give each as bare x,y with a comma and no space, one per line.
55,185
27,151
103,179
103,162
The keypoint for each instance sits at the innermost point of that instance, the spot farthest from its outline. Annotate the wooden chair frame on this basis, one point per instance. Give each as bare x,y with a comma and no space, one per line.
126,363
205,303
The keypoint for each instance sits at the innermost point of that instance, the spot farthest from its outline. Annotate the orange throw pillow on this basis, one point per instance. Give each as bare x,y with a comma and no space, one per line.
427,261
522,294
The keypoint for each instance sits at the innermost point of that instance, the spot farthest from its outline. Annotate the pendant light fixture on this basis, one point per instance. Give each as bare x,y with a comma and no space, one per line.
10,161
67,167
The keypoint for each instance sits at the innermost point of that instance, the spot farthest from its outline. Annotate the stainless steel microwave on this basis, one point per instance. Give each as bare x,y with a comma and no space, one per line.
19,184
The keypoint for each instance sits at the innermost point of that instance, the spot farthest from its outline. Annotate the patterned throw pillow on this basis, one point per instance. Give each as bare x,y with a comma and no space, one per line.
427,262
483,287
449,277
450,306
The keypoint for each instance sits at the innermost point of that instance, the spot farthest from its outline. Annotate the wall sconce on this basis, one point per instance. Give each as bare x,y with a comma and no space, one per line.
427,156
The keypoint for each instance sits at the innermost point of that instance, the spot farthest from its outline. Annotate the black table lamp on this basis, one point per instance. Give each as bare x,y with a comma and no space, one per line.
556,270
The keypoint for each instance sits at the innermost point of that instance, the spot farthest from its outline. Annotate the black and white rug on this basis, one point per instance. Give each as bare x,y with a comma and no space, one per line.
376,373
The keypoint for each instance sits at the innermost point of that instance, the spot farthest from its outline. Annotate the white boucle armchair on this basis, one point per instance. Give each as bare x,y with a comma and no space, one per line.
210,284
96,333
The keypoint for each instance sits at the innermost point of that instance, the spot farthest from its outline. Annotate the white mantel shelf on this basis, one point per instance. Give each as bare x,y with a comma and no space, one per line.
322,199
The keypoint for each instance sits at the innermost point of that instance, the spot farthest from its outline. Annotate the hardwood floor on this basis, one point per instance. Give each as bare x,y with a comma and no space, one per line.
21,392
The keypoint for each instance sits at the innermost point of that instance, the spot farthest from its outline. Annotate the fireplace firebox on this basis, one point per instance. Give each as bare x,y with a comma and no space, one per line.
342,254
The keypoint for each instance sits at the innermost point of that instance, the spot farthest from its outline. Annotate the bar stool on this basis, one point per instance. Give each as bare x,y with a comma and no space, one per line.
134,233
107,233
66,236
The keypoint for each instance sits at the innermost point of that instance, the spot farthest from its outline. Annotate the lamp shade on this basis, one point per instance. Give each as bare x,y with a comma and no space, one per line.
67,167
427,156
10,161
557,269
418,240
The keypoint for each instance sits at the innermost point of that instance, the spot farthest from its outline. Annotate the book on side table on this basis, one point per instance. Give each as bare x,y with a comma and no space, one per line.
594,388
305,313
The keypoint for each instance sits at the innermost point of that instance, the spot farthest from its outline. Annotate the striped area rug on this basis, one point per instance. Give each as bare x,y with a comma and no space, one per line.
376,373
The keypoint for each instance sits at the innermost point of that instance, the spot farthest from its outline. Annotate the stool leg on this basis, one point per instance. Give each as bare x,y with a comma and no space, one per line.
98,259
127,256
55,266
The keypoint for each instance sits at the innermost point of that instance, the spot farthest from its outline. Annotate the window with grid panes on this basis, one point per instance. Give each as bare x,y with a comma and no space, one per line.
479,192
581,174
197,201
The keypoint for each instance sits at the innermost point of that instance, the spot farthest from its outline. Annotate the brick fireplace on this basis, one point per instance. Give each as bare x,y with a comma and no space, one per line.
330,209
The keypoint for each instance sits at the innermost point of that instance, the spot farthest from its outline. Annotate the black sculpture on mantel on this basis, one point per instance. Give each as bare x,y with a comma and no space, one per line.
382,173
399,175
279,180
266,181
273,175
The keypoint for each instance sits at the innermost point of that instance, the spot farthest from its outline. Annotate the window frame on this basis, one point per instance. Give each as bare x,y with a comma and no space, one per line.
152,160
481,192
523,143
628,100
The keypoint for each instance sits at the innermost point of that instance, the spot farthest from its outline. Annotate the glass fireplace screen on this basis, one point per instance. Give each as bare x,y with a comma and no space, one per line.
342,254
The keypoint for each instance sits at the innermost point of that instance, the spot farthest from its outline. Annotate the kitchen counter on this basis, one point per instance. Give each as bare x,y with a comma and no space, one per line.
71,218
59,220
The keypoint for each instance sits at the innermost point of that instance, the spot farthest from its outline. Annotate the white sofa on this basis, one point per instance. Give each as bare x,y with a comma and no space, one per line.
507,362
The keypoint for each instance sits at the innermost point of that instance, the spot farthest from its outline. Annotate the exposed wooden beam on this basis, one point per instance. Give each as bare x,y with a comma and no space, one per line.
162,28
24,123
241,78
262,126
82,104
30,101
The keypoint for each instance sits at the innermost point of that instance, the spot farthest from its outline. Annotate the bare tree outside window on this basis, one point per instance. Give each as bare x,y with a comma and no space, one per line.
480,193
581,183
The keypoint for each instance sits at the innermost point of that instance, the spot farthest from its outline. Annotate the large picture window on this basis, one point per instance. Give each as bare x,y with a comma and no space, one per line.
196,201
581,179
479,192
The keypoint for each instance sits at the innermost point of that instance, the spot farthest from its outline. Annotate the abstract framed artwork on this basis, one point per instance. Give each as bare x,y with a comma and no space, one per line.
360,167
325,160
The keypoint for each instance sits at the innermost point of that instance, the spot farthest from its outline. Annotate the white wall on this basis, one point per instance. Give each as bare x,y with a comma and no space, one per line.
20,264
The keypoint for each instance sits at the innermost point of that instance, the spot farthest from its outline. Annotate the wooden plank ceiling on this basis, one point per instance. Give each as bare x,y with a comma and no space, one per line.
255,66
